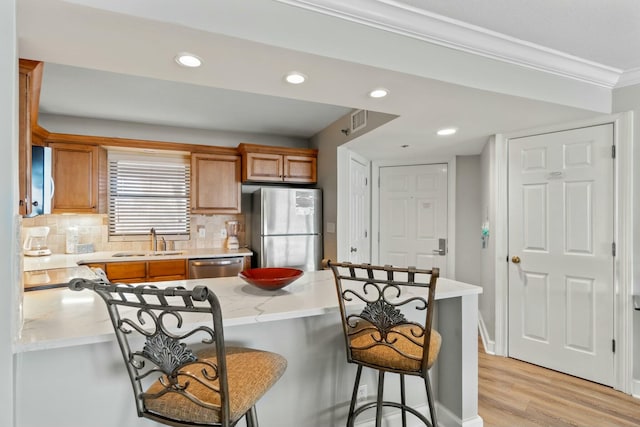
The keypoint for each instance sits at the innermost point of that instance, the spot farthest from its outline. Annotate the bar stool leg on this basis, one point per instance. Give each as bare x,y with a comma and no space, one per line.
403,401
379,401
251,417
432,407
354,397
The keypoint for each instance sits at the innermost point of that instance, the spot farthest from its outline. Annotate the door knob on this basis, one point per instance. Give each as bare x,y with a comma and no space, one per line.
353,249
515,259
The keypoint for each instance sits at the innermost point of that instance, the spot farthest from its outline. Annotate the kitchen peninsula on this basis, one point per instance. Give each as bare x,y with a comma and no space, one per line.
70,373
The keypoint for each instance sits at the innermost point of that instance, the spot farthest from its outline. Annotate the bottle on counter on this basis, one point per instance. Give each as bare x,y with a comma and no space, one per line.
71,240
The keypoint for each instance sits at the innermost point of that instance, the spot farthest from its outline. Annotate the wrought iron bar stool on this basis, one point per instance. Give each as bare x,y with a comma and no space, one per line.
183,375
392,333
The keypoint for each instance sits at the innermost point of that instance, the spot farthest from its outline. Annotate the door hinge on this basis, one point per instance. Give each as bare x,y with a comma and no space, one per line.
613,151
365,234
378,181
613,346
378,237
613,249
507,258
366,182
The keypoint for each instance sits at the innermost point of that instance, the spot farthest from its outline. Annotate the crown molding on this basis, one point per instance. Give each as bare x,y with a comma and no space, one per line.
400,18
629,78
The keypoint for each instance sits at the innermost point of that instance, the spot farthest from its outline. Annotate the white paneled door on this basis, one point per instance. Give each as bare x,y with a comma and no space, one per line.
359,211
413,216
561,251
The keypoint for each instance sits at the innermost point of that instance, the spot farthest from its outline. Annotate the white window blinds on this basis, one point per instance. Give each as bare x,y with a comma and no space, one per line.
148,192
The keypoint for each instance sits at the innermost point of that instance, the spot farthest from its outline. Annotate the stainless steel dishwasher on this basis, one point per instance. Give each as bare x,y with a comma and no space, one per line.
215,267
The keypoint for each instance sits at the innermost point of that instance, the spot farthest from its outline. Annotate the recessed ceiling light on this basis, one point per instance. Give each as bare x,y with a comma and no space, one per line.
188,60
295,78
379,93
447,131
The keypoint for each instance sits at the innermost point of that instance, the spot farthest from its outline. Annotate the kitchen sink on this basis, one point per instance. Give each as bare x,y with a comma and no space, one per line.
148,253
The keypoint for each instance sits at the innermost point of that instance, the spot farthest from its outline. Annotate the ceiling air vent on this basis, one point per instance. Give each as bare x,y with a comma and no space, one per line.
358,120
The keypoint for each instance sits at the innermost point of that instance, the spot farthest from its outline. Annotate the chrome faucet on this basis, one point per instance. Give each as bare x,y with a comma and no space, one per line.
154,239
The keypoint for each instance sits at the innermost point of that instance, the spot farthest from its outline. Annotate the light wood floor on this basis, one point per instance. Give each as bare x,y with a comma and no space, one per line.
517,394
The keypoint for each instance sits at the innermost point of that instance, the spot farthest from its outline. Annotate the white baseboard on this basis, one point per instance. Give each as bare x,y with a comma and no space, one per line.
449,419
489,345
635,388
446,418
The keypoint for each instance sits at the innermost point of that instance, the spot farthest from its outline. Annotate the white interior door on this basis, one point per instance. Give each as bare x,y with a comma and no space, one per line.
359,210
561,231
413,216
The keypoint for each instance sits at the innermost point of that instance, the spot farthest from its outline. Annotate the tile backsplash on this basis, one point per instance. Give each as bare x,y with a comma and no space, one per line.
94,228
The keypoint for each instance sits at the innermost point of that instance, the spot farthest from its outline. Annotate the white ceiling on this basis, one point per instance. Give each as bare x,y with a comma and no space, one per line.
81,92
248,45
602,31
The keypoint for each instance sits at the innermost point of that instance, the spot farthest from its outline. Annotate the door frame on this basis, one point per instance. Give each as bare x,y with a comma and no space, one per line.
623,226
451,206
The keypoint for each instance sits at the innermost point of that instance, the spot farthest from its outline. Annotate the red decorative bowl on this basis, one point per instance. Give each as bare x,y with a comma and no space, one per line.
270,278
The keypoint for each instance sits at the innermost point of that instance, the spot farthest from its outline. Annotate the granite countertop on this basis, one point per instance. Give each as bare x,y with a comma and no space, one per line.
63,318
73,260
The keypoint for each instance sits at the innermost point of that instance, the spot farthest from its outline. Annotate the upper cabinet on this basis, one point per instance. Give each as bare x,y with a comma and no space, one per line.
76,173
262,163
29,132
215,183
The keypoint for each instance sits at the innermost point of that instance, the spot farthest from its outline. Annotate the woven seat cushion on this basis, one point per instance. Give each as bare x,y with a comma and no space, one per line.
250,373
386,357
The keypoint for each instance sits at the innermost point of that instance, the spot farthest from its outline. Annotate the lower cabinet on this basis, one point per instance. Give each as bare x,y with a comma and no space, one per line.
174,269
144,271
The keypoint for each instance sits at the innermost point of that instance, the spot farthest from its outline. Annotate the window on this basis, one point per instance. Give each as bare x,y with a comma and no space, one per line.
148,192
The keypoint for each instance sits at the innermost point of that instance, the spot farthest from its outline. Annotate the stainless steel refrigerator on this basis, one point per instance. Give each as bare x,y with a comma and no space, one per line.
286,227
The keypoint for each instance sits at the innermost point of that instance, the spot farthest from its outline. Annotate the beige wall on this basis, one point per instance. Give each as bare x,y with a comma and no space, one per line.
487,300
468,217
8,214
327,142
120,129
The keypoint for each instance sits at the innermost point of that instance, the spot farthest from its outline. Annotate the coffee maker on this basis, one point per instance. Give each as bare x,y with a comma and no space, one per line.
233,227
35,242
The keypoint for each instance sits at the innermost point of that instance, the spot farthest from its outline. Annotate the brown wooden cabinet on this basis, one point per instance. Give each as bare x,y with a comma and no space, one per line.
261,163
30,77
126,272
171,269
144,271
75,170
215,183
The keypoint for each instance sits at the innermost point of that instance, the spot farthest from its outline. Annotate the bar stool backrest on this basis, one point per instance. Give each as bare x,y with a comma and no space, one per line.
397,314
156,330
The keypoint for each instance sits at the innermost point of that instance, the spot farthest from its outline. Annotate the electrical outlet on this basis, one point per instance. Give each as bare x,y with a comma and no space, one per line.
202,232
362,393
223,233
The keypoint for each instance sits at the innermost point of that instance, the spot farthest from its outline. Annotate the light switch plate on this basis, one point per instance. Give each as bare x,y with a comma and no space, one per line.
331,227
202,232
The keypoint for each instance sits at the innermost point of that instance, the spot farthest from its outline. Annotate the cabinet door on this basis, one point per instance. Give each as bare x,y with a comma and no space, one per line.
175,268
299,169
126,272
75,175
264,167
215,181
30,76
